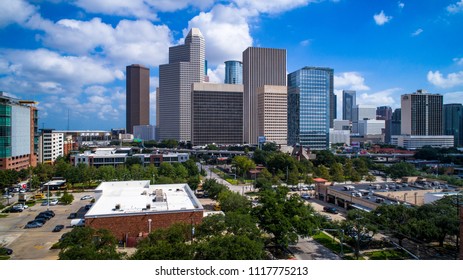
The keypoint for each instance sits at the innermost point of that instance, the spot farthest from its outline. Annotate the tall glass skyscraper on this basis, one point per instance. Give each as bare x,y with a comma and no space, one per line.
309,107
233,72
348,104
453,122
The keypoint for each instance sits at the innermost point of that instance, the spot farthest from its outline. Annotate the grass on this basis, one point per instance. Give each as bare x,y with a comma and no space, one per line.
388,255
331,244
4,257
3,215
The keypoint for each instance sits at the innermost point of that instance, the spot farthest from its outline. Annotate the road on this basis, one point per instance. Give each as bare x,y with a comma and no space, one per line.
35,243
235,188
309,249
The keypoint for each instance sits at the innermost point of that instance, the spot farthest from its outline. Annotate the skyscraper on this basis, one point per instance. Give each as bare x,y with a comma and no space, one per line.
421,113
348,104
273,113
309,107
453,122
333,104
396,121
261,66
233,72
137,96
385,113
186,66
18,133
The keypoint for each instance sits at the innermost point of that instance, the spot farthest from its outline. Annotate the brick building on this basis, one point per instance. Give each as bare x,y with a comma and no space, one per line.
132,209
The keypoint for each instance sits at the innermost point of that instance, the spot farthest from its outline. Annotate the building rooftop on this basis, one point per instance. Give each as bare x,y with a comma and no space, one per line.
140,198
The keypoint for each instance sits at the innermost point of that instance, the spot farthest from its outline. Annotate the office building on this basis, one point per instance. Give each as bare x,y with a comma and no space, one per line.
453,122
18,133
138,96
342,125
216,114
309,107
348,104
339,137
421,114
396,122
370,127
51,146
186,66
273,113
418,141
133,209
333,104
144,132
383,113
364,112
233,72
261,66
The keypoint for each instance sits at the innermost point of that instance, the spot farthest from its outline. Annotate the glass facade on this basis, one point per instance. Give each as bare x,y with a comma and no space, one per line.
233,72
5,131
453,122
309,107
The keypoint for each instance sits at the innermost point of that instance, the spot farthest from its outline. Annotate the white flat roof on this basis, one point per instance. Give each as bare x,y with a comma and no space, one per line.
140,198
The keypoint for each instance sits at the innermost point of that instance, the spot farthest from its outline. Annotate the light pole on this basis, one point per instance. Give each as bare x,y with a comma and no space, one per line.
149,225
48,197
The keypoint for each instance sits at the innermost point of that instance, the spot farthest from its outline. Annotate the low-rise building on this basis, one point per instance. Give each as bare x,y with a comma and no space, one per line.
132,209
412,142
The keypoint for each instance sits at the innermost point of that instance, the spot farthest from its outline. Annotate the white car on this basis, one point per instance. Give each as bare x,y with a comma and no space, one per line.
85,197
54,202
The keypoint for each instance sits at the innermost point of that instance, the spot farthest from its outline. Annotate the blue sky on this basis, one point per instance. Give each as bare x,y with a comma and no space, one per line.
71,55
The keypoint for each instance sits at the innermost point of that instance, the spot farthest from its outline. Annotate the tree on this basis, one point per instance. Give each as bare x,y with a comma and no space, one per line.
359,225
285,218
293,177
136,171
66,198
232,201
322,172
361,166
181,173
337,173
348,169
213,188
355,177
191,166
395,219
167,244
106,173
166,169
85,243
370,178
401,169
243,164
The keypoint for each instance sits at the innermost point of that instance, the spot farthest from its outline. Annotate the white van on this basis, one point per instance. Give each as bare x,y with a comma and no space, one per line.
349,188
77,222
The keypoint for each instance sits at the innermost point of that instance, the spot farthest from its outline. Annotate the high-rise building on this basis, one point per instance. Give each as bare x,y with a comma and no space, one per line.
18,133
51,146
333,104
348,104
396,121
186,66
422,113
309,107
385,113
216,114
138,96
453,122
360,113
233,72
261,66
273,113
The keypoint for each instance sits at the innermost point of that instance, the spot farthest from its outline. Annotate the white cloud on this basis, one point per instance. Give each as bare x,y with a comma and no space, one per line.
15,11
459,61
381,18
417,32
145,9
452,97
381,98
455,8
226,32
350,80
452,79
401,4
305,43
95,90
217,75
271,7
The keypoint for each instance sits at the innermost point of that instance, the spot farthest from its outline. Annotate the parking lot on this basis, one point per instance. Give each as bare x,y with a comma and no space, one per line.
35,243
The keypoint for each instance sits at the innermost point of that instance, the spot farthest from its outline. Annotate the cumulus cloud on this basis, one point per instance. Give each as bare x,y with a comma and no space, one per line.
226,32
350,80
459,61
381,98
417,32
15,11
271,7
217,75
455,8
305,43
401,4
452,97
146,9
381,18
452,79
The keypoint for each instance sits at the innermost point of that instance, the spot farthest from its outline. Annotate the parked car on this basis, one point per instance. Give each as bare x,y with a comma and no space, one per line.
85,197
58,228
34,224
72,216
16,208
41,220
331,210
49,212
5,251
45,203
45,216
88,206
54,202
305,196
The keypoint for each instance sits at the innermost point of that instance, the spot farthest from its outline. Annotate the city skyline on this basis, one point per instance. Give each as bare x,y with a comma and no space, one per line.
72,56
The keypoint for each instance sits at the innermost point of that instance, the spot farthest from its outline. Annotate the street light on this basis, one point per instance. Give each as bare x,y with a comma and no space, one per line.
149,225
